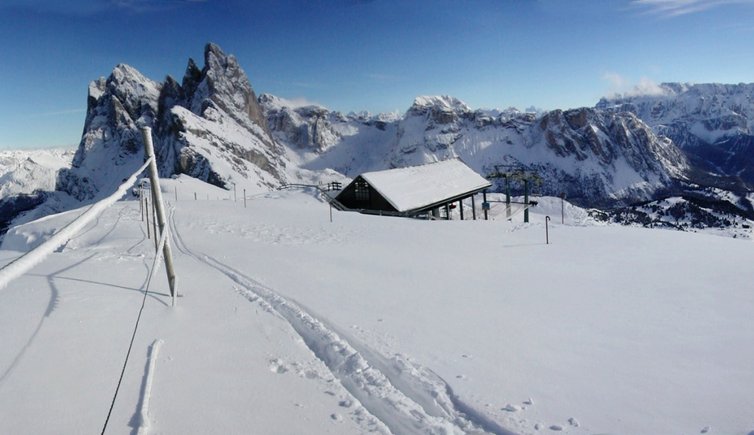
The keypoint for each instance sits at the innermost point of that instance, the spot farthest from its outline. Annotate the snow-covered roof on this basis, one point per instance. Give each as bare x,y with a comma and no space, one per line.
416,187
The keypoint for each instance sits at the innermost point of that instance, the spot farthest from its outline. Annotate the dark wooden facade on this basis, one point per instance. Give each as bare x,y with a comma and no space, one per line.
360,195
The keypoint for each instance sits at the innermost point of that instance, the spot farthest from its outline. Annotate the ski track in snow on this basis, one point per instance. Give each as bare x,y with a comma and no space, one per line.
406,397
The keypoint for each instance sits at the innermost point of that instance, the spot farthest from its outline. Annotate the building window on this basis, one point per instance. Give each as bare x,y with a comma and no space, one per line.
361,190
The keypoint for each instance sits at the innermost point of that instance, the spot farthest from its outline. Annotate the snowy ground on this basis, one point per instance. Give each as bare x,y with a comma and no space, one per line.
288,323
24,171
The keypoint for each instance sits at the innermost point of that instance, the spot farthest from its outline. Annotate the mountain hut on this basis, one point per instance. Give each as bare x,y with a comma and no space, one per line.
414,191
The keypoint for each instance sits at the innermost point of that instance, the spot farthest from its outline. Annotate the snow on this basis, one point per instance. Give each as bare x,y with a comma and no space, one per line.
419,186
444,102
288,323
33,257
26,171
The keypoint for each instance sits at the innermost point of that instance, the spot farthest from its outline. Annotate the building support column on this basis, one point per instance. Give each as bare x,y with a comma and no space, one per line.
484,198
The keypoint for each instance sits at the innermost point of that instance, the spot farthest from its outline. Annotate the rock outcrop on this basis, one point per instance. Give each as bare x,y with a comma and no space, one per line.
210,127
713,123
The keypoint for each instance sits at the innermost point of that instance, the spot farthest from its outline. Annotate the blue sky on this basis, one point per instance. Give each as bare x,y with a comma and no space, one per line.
374,55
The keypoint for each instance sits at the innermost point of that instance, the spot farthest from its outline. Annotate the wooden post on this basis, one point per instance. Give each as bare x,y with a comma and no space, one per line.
194,196
447,212
244,198
562,208
507,197
146,205
547,229
526,200
154,221
330,212
154,179
484,198
473,208
460,207
235,198
141,203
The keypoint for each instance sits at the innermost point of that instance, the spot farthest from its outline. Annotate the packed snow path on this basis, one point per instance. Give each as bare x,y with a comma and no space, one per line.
424,403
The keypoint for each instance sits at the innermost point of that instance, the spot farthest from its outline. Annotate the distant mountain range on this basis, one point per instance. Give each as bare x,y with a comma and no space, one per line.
712,123
691,142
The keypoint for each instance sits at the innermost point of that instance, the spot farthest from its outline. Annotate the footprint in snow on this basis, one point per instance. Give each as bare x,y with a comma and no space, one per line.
511,408
556,427
336,417
277,366
705,429
573,422
347,403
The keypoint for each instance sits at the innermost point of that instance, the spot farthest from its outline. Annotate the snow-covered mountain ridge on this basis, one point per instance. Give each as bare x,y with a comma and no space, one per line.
25,178
713,123
592,156
211,126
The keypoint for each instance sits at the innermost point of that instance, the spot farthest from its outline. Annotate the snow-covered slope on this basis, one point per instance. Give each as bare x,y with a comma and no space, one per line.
27,171
26,179
290,323
712,122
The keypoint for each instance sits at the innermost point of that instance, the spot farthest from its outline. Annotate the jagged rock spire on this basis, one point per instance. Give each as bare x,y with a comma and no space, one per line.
185,119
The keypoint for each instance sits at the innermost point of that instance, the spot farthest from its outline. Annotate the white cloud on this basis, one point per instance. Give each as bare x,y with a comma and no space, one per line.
674,8
620,86
297,102
646,87
617,82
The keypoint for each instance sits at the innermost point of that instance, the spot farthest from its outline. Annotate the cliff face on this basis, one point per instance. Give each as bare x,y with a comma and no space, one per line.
210,127
713,123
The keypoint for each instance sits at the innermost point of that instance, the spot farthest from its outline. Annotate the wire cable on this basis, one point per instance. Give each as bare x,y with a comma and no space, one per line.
155,265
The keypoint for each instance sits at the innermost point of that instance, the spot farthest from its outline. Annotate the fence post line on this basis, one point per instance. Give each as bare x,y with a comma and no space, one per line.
154,219
146,213
154,179
244,198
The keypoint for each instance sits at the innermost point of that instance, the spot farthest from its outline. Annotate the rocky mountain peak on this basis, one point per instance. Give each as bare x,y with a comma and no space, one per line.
210,126
224,83
440,109
117,107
